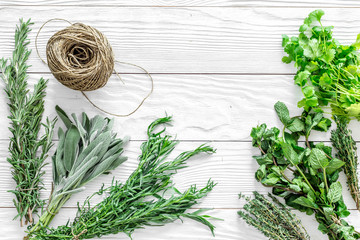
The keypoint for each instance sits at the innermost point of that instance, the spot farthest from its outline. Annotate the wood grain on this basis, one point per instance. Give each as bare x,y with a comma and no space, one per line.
184,40
204,107
187,3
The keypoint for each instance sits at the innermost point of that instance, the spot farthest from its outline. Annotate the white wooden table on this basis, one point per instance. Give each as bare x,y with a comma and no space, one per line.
217,69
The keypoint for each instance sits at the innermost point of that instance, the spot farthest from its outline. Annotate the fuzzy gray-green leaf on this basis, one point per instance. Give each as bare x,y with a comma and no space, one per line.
64,117
71,146
102,140
60,168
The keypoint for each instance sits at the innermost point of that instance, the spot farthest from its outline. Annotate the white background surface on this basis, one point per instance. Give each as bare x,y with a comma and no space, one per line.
217,69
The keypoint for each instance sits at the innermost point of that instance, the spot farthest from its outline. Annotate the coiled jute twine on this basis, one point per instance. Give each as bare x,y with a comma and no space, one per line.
81,58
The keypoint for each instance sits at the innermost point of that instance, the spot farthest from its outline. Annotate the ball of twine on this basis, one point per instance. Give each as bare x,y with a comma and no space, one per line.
80,57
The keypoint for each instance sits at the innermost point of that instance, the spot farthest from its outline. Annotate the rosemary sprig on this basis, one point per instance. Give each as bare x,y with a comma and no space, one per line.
141,200
346,146
25,115
86,150
272,218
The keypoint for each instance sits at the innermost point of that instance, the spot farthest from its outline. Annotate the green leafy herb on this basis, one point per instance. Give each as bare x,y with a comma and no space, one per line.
28,150
328,72
87,149
272,218
148,197
346,146
306,176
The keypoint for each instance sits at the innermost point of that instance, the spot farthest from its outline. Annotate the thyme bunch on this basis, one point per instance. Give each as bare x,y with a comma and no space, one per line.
147,198
346,146
272,218
87,149
27,150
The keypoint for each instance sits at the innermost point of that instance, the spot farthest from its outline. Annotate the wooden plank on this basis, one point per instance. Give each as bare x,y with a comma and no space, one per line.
232,167
204,107
187,3
184,40
231,228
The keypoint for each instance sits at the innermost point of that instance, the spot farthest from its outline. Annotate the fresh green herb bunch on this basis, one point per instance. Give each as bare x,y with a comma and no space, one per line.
141,200
306,176
272,218
328,72
346,146
27,149
86,150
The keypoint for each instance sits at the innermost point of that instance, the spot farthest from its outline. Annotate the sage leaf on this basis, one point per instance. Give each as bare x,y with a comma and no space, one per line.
63,116
71,145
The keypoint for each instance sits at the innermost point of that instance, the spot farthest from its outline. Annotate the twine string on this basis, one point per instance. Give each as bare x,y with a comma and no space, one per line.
81,58
76,237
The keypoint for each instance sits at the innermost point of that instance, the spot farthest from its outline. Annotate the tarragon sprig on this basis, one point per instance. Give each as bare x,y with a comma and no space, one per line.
27,150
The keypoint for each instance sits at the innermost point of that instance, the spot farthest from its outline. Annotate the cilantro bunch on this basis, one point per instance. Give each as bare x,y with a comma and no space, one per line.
306,175
328,72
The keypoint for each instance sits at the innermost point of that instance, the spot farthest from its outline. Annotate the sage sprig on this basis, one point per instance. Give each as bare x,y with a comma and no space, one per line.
87,149
306,176
147,198
272,218
28,150
346,151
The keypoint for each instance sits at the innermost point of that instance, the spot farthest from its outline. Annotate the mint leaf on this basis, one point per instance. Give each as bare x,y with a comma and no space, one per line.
282,112
335,192
296,125
318,159
290,154
334,165
306,202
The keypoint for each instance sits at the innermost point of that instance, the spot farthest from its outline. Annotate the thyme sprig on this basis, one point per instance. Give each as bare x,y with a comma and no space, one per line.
346,146
142,200
27,150
272,218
